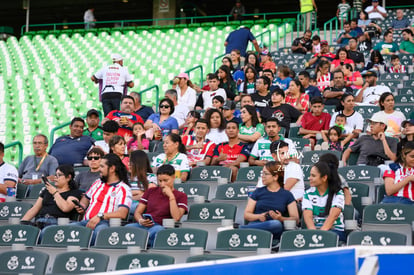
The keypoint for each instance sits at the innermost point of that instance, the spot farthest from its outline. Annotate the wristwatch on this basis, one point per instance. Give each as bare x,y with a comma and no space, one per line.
101,216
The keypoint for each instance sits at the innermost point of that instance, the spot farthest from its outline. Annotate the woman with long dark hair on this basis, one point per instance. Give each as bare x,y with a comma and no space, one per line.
399,182
376,62
175,155
227,82
341,58
227,61
251,129
248,86
296,96
117,146
324,202
270,205
56,201
162,123
394,118
141,178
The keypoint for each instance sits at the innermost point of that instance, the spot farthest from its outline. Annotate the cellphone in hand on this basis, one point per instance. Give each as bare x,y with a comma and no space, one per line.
75,202
148,217
45,180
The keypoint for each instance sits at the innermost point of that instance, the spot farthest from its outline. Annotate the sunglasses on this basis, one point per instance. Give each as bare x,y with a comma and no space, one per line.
165,106
93,158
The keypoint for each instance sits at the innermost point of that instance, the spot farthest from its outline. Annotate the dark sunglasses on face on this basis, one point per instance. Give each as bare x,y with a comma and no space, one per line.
93,158
165,106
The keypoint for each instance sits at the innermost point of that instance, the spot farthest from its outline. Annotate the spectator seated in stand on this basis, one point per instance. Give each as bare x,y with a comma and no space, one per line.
86,178
303,44
93,130
110,129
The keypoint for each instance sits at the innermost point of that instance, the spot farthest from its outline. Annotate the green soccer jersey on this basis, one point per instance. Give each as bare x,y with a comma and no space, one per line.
251,130
315,202
96,134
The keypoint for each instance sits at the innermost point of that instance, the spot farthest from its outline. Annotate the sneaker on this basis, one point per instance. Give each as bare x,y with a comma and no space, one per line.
317,147
325,145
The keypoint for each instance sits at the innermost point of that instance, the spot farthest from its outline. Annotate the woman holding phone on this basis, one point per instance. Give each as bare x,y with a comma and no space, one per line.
56,201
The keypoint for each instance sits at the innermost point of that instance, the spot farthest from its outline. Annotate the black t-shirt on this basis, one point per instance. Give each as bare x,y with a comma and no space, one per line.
305,44
357,57
285,113
335,101
260,101
365,46
50,207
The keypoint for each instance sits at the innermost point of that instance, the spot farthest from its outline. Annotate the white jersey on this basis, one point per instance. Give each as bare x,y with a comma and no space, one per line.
208,97
189,98
180,113
375,15
353,122
113,78
7,172
372,94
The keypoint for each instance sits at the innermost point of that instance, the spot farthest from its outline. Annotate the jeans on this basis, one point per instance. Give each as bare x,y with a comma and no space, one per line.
44,222
110,104
394,199
341,234
273,226
152,231
101,225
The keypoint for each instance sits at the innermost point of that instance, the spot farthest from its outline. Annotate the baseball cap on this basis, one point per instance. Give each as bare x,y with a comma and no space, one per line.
229,105
265,53
92,112
370,72
374,1
183,75
377,117
116,57
324,42
411,121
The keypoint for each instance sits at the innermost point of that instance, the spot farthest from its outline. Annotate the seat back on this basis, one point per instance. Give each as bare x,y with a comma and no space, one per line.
211,212
359,173
300,143
120,237
62,236
21,191
306,168
180,239
304,239
141,260
249,174
243,239
80,262
23,261
192,189
34,191
312,157
210,173
376,238
389,217
404,108
367,111
18,233
234,191
358,190
13,209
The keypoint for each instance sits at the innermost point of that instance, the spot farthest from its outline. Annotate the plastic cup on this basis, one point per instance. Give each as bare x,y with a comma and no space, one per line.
168,223
222,180
289,224
244,164
114,222
63,221
366,200
73,248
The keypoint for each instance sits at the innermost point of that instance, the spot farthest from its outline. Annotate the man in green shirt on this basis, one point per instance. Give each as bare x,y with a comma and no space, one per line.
94,130
407,45
388,46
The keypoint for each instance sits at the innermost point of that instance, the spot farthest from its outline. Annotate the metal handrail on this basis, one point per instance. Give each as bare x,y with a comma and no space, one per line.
157,91
261,35
201,73
329,22
156,21
215,61
19,145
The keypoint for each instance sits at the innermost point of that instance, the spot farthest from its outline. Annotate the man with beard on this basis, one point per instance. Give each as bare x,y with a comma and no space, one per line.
93,130
108,197
370,92
124,117
302,44
260,153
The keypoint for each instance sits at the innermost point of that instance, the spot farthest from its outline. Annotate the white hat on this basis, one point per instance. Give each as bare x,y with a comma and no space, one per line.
116,57
377,117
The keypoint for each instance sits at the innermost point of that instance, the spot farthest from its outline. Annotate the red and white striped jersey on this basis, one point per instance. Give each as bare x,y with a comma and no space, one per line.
324,81
400,70
408,190
107,198
195,155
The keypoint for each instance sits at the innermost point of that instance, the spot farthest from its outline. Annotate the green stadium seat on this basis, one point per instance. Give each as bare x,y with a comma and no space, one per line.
80,262
22,261
141,260
369,238
296,240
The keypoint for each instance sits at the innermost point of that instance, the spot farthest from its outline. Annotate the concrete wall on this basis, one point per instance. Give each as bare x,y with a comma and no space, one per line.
164,9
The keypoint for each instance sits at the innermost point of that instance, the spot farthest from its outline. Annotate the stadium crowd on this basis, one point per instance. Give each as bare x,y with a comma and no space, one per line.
248,112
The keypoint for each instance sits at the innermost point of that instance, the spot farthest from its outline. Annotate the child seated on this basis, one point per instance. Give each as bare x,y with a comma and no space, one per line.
396,65
340,121
138,141
316,44
332,137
